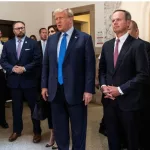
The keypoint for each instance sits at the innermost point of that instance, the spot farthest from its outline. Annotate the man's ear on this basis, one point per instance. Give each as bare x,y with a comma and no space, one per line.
128,23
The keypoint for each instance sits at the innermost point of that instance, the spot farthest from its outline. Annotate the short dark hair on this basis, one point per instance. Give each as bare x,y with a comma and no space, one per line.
135,26
42,29
54,27
127,14
18,22
33,37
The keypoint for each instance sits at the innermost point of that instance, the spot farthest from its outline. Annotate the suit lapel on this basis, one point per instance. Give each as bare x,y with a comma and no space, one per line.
71,43
14,48
111,54
40,44
123,51
23,47
56,40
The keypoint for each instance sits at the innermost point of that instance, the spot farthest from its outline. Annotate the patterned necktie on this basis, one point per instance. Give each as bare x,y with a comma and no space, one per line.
116,52
19,49
62,51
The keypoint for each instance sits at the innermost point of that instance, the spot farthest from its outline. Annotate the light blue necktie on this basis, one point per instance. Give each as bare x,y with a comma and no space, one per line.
61,57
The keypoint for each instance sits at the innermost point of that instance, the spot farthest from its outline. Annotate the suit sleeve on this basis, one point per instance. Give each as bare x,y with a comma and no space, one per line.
45,68
36,58
4,60
142,70
147,47
89,66
102,68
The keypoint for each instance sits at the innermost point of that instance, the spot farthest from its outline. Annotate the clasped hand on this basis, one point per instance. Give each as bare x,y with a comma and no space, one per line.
18,69
110,92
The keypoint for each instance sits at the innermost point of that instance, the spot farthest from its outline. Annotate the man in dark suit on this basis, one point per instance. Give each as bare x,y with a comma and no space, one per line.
145,111
20,58
68,80
123,71
42,45
43,36
3,122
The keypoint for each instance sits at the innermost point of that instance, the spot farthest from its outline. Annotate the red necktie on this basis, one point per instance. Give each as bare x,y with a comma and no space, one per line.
116,52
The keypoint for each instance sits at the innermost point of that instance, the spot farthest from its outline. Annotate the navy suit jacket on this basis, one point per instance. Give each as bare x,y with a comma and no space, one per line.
130,74
30,58
78,67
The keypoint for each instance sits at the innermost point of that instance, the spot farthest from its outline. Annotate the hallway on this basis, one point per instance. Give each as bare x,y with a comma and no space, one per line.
95,141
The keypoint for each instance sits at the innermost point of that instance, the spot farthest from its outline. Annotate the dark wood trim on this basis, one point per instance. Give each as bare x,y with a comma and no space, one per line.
7,22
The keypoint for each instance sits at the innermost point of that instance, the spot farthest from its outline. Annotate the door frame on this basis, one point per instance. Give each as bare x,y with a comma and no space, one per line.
81,10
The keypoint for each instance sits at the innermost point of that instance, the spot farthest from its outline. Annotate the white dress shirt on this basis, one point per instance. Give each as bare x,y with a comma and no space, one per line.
43,47
121,42
69,33
22,41
1,48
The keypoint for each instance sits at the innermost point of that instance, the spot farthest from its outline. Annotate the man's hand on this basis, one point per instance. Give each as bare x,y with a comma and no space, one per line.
18,69
113,91
87,97
106,91
44,93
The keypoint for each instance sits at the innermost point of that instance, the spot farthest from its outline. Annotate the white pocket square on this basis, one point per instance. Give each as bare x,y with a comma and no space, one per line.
27,49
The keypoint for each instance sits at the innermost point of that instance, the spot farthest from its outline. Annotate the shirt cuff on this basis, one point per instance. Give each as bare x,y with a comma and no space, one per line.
24,69
103,85
120,91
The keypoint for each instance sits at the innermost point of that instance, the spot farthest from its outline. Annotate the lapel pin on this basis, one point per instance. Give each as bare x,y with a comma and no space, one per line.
75,37
25,41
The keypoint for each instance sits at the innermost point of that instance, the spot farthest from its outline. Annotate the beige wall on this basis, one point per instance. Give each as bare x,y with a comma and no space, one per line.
39,14
99,11
32,13
140,12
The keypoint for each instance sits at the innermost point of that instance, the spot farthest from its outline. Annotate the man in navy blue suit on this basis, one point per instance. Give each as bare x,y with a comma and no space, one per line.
20,58
68,80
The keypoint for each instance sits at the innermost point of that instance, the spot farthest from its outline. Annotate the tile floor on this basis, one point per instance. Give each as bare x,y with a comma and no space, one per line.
95,141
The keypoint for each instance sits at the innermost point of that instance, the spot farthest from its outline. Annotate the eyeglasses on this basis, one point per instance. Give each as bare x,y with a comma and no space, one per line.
20,28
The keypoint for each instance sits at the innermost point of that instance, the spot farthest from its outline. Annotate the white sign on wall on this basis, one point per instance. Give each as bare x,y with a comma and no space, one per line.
99,39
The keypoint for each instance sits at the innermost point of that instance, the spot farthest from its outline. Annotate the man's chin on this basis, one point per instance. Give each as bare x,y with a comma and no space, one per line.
21,35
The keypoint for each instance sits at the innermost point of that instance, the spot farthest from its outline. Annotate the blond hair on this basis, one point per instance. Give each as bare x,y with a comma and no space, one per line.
67,10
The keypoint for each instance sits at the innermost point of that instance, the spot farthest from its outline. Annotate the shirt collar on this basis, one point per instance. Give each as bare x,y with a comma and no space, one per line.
22,39
43,41
123,37
69,32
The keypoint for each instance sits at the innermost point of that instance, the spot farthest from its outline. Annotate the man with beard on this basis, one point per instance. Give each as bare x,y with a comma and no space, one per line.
20,58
